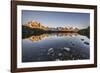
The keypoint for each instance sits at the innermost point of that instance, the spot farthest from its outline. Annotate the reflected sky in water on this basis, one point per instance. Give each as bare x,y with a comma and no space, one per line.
55,47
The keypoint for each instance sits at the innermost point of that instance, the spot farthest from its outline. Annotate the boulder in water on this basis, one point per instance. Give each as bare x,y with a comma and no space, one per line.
67,49
59,54
87,43
50,51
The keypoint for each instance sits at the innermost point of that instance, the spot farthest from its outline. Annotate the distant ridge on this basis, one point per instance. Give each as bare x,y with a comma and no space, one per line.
37,25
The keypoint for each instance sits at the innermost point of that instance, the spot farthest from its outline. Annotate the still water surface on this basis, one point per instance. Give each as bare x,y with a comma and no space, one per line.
55,47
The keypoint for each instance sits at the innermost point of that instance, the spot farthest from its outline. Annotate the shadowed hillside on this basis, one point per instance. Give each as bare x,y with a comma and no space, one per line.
26,31
85,32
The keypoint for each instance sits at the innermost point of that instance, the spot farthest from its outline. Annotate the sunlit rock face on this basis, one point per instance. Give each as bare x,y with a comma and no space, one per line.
38,25
35,24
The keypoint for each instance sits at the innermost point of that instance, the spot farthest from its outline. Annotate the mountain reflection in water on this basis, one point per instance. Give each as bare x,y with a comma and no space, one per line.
36,38
55,47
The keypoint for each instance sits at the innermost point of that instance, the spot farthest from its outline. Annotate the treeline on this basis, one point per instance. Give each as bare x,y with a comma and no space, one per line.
26,31
85,32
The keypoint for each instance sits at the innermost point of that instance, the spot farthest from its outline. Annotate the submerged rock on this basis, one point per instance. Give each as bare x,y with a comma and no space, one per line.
50,51
87,43
59,54
82,39
67,49
73,44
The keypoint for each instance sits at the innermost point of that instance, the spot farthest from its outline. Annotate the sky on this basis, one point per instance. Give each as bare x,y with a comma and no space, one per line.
57,19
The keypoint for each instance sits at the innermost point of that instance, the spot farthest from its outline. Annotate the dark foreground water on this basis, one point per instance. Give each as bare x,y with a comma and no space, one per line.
55,47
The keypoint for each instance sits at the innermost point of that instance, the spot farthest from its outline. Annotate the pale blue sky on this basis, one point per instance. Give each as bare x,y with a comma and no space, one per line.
57,19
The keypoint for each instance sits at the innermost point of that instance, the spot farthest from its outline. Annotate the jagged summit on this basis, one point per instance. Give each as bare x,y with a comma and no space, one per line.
35,24
38,25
